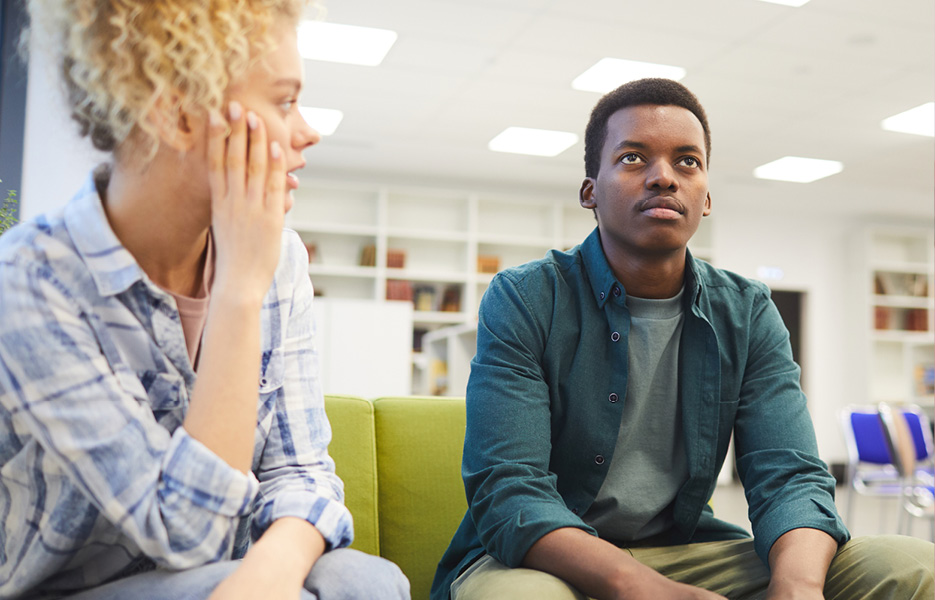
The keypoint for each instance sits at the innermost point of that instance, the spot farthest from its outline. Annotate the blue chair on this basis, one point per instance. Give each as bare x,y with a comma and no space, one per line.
909,441
870,469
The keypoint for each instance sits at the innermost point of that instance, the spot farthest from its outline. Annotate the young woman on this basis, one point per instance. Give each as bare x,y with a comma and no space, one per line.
159,393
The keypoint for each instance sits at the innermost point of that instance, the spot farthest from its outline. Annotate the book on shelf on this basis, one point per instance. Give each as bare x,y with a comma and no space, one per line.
395,258
890,283
488,264
312,249
368,256
924,376
451,299
397,289
424,297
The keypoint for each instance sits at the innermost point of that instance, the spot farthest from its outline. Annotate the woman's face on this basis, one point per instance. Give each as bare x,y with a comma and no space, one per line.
270,88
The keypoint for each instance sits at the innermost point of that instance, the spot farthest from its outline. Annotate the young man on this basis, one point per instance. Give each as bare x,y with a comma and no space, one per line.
607,383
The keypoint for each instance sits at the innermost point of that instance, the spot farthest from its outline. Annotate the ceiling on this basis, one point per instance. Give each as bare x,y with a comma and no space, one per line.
813,81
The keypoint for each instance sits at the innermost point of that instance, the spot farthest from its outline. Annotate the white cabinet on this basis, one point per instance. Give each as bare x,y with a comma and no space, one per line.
896,304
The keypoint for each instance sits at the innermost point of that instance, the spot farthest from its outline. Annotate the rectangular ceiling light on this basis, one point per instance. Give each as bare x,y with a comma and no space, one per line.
609,73
795,3
798,169
323,120
919,120
537,142
344,43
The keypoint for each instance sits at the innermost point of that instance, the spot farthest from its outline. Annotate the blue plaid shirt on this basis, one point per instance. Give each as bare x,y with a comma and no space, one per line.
98,478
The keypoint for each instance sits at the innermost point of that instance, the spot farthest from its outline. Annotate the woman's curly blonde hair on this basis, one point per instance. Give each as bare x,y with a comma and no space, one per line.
118,58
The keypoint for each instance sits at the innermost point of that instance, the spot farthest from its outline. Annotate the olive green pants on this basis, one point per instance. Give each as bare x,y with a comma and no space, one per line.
887,567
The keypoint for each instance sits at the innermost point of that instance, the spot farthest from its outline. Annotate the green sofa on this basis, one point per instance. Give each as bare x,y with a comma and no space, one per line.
400,460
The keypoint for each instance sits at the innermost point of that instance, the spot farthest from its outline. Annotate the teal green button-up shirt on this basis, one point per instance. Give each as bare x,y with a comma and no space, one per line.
546,394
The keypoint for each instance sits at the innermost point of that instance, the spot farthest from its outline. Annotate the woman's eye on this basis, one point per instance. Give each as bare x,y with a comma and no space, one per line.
630,159
287,105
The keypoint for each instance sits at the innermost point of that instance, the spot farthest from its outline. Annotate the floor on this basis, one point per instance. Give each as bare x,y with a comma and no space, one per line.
871,515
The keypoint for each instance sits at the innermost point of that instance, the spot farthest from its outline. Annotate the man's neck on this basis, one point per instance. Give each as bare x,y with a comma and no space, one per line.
648,275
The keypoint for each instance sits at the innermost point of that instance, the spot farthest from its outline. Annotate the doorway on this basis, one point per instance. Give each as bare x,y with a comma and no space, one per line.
790,305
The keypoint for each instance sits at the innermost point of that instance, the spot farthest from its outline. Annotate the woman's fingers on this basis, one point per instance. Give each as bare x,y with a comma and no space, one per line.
217,162
257,159
276,180
236,152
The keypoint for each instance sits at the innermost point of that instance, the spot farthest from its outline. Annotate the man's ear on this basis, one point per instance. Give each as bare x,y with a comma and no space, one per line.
174,125
586,194
707,206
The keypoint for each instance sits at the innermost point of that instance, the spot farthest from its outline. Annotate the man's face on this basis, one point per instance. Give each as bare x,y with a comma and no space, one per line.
652,187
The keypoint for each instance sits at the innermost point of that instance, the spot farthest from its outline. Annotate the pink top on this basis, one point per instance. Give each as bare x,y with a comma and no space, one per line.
193,311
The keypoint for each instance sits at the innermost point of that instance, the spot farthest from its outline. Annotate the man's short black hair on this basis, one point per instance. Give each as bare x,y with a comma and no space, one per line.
654,91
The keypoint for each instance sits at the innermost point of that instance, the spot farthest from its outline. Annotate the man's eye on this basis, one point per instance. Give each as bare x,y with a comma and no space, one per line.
630,158
690,161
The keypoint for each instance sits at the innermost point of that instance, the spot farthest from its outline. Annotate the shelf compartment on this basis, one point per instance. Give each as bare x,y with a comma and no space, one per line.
334,206
336,251
441,213
500,217
428,256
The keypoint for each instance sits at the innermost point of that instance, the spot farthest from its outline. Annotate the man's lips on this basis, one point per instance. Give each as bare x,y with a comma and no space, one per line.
662,207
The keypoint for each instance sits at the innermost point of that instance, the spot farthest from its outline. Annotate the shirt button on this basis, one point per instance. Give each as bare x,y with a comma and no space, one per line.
615,336
599,459
263,381
616,290
574,511
612,397
602,295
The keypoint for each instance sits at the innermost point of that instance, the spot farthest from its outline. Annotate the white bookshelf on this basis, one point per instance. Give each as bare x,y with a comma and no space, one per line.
895,304
442,232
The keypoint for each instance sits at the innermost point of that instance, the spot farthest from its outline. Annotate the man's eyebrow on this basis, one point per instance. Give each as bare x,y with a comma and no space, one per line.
643,146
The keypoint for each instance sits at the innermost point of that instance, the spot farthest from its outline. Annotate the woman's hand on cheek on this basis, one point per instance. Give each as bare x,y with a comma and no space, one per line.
247,178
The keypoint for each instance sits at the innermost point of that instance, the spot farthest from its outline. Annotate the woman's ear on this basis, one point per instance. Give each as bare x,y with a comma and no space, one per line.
175,126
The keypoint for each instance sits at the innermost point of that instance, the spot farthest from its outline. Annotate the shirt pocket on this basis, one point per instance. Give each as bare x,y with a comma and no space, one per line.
272,371
166,395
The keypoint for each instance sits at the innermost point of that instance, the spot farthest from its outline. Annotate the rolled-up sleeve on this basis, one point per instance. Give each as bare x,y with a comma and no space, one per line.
296,474
512,494
787,486
176,500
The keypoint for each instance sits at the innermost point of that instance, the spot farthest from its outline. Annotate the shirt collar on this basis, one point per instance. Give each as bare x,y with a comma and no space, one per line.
602,277
599,273
111,266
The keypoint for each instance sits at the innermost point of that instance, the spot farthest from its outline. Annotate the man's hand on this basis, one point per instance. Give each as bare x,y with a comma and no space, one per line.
603,571
252,580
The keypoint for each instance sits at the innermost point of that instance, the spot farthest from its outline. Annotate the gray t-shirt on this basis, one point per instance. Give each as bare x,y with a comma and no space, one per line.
649,465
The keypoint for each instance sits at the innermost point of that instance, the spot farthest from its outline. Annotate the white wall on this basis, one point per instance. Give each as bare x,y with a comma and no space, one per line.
55,160
811,254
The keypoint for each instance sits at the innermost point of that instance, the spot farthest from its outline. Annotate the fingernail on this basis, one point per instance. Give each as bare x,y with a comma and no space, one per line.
274,150
235,110
251,120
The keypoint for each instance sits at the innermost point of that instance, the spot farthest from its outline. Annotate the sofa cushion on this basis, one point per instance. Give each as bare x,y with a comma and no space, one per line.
421,495
353,449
